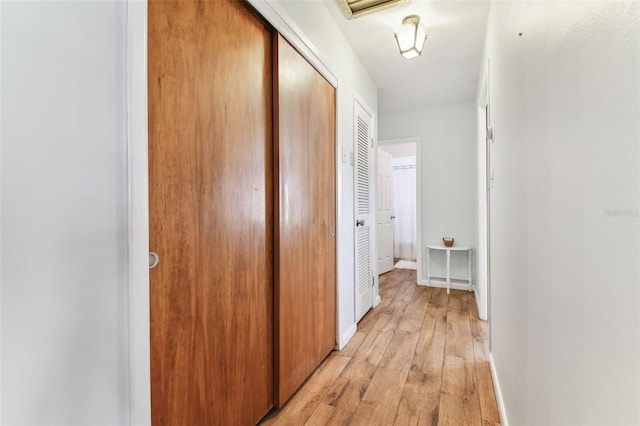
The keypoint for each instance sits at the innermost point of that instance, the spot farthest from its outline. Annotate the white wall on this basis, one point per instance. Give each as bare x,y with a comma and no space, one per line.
448,162
565,243
313,18
63,213
398,149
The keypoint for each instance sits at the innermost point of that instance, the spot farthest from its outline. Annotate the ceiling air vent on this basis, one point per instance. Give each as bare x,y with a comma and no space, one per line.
356,8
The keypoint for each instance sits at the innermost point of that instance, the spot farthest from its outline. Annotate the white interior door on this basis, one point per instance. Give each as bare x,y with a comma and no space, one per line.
384,212
364,218
404,208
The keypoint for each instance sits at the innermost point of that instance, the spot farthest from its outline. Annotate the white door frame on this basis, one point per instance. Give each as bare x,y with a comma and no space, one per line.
484,159
138,188
138,202
417,140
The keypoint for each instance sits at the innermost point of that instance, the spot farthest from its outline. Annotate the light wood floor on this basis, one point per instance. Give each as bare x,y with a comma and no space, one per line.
420,357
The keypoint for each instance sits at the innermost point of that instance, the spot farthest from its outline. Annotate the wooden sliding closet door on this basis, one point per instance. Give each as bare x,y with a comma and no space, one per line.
305,220
211,213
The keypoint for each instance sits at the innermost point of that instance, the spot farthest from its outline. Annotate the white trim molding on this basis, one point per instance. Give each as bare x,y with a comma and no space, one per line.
282,22
138,211
499,399
339,222
1,351
443,284
346,336
483,261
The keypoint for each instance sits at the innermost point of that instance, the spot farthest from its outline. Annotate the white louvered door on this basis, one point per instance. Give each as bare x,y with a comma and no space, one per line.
364,216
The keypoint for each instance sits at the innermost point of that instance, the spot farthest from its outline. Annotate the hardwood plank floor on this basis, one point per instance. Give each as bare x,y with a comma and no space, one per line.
421,357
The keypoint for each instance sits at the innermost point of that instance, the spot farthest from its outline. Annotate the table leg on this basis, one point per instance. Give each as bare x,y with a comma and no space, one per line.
448,270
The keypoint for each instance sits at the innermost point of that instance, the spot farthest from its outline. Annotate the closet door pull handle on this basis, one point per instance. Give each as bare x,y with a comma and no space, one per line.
154,259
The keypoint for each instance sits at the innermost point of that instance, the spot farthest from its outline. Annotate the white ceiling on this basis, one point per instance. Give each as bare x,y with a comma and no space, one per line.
445,73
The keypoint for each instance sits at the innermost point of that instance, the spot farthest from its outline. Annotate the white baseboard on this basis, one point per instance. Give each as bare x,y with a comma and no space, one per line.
377,301
481,312
452,286
346,336
496,386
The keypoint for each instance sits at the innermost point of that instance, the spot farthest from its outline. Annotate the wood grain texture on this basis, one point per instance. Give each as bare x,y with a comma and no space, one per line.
439,297
473,307
326,415
400,350
299,409
480,335
488,404
414,315
420,402
486,393
458,300
211,213
346,393
353,344
459,402
305,193
396,374
330,369
380,402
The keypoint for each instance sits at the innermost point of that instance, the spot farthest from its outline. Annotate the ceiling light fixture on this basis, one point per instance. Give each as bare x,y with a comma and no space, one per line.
411,37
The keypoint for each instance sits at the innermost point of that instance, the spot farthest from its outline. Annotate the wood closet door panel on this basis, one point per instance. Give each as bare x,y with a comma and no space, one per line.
211,213
305,217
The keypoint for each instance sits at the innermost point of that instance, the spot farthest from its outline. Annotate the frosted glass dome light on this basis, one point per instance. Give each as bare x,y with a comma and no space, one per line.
411,37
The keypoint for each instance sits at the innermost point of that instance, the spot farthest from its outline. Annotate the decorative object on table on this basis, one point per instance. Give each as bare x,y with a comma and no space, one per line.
448,241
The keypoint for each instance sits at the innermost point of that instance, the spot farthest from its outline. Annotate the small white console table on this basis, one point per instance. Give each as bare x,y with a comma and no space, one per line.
448,277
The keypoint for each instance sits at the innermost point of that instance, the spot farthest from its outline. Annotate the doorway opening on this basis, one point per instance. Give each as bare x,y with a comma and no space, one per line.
398,212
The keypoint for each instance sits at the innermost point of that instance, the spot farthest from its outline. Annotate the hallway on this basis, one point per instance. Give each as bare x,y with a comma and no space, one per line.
420,357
